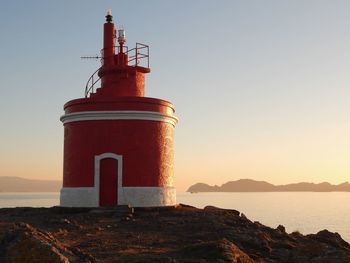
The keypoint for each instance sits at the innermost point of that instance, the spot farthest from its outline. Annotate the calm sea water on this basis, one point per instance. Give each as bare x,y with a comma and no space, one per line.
303,212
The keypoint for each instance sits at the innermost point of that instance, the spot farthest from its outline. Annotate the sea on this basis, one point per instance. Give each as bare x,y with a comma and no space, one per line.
306,212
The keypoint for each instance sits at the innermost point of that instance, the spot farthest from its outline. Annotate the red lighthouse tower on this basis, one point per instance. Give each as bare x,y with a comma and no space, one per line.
118,144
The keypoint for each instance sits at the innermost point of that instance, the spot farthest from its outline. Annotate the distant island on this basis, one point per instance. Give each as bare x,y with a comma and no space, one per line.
248,185
18,184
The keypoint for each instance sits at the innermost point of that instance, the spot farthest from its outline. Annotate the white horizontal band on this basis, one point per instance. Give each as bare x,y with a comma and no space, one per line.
133,196
118,115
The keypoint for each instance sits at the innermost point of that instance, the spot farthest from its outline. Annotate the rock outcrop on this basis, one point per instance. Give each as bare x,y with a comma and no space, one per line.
169,234
24,243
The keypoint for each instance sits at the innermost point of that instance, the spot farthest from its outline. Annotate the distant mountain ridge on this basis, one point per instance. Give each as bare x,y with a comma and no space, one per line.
248,185
18,184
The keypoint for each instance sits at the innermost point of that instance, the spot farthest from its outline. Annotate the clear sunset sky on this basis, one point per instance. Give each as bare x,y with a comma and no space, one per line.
261,88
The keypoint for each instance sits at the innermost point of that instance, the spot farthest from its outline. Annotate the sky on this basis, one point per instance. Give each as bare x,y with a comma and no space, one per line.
261,88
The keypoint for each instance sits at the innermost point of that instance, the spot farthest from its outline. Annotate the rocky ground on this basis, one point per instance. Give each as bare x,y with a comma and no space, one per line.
177,234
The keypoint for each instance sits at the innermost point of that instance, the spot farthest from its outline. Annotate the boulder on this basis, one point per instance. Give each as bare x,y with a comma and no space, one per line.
24,243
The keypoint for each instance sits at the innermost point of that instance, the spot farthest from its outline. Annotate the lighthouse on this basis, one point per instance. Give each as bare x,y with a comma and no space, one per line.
118,144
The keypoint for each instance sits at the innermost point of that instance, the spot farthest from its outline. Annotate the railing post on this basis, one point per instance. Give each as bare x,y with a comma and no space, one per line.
136,53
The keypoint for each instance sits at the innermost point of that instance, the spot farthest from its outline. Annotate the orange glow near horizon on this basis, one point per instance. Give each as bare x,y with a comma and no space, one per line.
269,100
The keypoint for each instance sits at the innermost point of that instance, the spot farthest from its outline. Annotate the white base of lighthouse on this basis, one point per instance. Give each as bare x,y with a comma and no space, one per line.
133,196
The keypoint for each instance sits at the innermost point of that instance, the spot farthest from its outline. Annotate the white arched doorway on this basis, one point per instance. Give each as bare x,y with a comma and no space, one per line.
119,177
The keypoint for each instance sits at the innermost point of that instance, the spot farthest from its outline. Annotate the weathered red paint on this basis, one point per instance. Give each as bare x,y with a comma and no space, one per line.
146,145
130,82
119,103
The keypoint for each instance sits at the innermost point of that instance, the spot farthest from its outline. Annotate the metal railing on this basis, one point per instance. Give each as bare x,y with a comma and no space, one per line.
139,55
89,88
